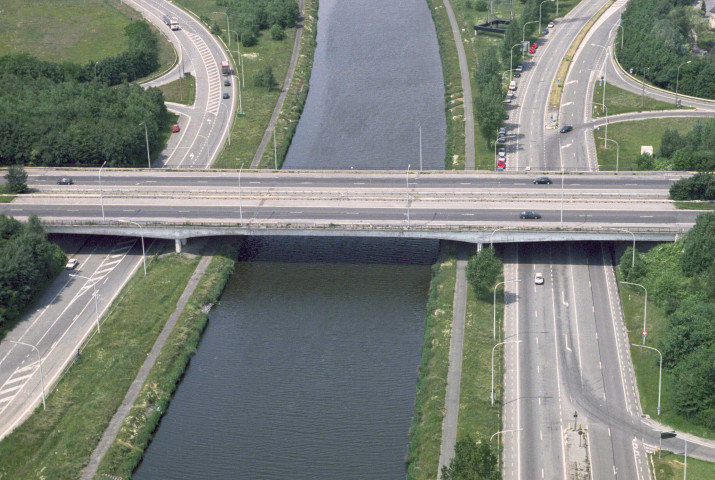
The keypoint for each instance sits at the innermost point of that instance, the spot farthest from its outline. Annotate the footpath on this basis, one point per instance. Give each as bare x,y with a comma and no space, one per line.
116,422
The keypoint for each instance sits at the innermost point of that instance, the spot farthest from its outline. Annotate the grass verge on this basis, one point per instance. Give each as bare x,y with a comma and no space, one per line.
622,101
426,429
127,449
180,91
297,91
670,467
477,416
6,198
57,443
695,205
646,362
631,136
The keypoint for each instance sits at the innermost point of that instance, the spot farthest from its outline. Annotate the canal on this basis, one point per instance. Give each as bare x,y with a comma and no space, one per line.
308,366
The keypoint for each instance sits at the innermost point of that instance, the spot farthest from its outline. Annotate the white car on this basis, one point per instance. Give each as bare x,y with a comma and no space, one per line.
72,264
539,279
550,25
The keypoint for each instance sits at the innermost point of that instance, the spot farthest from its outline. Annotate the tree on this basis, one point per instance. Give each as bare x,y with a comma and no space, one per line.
264,78
670,142
694,387
483,270
472,461
277,32
16,179
699,245
645,162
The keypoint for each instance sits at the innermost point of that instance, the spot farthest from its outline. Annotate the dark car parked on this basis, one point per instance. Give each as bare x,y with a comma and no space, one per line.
542,180
529,215
566,129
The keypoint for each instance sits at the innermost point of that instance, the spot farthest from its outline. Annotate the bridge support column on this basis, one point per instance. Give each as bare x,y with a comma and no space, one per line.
479,247
178,243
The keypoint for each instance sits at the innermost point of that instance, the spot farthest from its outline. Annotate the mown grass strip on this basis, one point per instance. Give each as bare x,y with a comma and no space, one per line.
137,430
630,137
180,91
426,428
669,466
645,362
695,205
622,101
56,443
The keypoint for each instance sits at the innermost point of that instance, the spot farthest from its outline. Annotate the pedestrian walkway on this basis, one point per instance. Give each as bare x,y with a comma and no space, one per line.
454,373
116,422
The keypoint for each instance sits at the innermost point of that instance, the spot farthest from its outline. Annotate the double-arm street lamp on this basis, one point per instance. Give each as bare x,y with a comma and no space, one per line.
645,307
677,78
660,370
495,346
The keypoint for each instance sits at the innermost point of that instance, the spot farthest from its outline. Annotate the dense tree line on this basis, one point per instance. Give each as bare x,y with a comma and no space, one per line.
27,262
46,122
658,35
698,187
694,151
489,99
249,17
680,278
139,60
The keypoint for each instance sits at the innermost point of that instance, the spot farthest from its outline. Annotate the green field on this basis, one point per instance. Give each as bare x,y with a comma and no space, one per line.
671,467
622,101
62,30
180,91
630,137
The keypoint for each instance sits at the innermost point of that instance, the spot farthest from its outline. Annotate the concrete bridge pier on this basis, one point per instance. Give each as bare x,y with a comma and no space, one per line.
178,243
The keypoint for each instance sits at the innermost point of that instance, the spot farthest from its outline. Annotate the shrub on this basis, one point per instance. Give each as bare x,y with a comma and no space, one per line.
264,78
277,33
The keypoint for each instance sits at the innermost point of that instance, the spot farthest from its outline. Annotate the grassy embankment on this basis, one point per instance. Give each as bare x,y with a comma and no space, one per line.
474,46
180,91
631,136
426,428
476,415
136,432
622,101
645,361
670,467
57,443
258,103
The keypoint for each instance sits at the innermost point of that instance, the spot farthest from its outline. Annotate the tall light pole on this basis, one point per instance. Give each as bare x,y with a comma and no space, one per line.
240,205
141,232
208,156
617,149
228,28
275,149
623,32
498,445
677,79
96,309
95,70
227,116
494,326
660,370
42,378
645,307
491,236
540,13
101,199
511,60
605,70
146,134
495,346
420,147
562,195
523,29
643,91
407,190
606,110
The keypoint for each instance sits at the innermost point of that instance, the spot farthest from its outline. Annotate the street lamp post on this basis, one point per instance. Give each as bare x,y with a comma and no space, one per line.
494,326
498,446
146,134
606,110
677,78
227,117
141,232
495,346
101,198
96,309
645,307
540,12
420,147
491,235
643,90
240,205
208,156
407,191
660,370
511,60
228,28
605,70
617,149
523,29
42,378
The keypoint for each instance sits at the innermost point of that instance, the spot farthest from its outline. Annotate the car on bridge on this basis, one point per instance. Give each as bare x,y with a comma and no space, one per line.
542,181
529,215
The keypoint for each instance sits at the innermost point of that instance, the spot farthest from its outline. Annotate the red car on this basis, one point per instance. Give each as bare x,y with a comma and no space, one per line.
534,46
175,128
501,164
532,51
